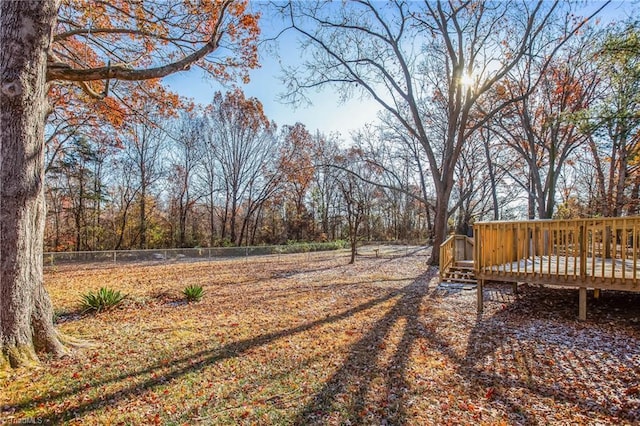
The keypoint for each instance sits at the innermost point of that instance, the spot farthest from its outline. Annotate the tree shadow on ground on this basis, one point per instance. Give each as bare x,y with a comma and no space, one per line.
530,343
533,347
345,394
443,290
162,372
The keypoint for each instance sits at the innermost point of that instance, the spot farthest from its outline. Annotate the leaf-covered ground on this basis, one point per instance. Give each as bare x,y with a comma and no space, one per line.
307,339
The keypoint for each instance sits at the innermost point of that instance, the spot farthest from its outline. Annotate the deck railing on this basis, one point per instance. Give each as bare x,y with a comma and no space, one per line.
599,252
446,254
455,248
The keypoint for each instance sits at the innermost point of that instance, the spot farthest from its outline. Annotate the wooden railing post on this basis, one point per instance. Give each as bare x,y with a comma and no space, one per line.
476,248
583,251
582,291
447,255
442,261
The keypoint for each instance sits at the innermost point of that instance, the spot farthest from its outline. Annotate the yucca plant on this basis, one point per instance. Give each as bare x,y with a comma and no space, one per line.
103,299
193,293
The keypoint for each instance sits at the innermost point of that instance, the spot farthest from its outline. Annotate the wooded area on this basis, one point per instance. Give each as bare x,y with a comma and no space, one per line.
548,128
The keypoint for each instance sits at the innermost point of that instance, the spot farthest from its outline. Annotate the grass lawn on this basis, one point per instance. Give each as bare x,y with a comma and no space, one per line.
308,339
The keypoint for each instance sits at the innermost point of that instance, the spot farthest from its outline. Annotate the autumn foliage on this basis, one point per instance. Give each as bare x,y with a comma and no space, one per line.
107,57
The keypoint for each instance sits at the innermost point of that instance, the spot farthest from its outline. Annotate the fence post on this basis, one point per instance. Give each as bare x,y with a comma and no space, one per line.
114,256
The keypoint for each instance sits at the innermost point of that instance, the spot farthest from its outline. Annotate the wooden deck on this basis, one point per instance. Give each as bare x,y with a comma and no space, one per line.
599,253
564,270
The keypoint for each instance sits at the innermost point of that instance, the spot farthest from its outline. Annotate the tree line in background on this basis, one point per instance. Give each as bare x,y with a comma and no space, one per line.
565,144
223,175
498,105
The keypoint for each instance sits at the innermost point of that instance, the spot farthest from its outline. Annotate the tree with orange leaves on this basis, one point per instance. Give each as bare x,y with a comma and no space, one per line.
613,123
297,169
242,147
107,58
80,50
540,128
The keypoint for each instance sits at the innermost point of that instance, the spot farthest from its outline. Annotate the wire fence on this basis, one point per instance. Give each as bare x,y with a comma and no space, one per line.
182,254
113,257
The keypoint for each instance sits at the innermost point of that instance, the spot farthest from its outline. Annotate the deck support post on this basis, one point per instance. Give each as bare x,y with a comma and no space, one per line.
596,293
480,294
582,304
514,288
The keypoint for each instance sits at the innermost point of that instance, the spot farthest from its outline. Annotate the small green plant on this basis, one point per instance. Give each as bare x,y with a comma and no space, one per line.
103,299
193,293
56,316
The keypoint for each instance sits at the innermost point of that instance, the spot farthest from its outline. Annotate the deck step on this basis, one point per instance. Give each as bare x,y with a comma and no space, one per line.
461,268
460,280
464,264
460,277
461,272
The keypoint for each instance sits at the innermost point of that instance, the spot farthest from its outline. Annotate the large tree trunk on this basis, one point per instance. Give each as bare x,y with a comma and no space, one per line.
26,314
232,226
440,228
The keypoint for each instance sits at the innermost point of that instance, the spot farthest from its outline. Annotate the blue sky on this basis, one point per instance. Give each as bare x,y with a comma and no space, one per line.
326,113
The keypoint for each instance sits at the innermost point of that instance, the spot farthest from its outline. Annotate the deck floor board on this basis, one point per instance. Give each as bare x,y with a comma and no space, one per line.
570,266
564,271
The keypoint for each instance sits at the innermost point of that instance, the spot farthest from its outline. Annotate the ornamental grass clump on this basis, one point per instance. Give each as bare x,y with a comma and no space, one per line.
193,293
103,299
